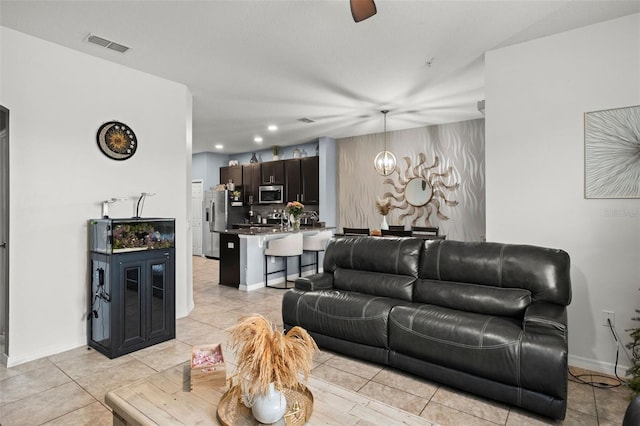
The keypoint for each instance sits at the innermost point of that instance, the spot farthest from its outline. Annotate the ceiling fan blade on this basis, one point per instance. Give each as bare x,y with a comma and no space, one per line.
362,9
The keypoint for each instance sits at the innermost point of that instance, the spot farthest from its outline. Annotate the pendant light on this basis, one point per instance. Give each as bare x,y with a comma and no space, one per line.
385,162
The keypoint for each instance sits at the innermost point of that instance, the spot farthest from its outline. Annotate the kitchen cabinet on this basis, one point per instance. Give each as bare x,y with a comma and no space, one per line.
231,173
292,181
229,260
132,289
251,182
302,180
309,176
272,173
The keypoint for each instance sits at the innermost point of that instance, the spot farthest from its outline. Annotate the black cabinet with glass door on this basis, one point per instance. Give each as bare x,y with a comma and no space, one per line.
132,298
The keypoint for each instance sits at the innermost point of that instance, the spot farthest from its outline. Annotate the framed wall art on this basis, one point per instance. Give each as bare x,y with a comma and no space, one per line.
612,153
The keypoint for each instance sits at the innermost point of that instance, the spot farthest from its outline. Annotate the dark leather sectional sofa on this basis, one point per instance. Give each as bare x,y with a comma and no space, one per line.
486,318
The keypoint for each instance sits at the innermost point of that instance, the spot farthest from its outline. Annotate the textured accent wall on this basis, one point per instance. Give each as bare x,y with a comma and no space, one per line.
458,145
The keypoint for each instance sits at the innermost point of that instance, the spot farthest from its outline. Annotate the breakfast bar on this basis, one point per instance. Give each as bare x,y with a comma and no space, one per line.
242,256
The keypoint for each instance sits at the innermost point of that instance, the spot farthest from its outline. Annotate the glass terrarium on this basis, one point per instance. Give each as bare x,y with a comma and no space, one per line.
125,235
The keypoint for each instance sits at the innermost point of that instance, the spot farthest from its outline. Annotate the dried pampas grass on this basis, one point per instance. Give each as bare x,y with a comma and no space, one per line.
265,355
383,205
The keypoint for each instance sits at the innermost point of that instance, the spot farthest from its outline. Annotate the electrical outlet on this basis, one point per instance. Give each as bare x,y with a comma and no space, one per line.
608,316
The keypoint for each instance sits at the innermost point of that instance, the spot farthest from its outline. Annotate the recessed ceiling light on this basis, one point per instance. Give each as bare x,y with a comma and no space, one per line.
219,146
272,127
257,139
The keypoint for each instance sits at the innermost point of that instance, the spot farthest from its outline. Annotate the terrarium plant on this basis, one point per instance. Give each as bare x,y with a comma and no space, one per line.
265,355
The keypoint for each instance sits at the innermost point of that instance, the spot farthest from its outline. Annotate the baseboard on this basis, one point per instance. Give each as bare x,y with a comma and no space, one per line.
598,366
291,277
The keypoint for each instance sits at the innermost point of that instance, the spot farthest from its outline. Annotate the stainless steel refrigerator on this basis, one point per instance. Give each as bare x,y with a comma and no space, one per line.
219,216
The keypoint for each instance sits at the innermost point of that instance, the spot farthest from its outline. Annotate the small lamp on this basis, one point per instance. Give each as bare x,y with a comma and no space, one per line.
140,203
105,205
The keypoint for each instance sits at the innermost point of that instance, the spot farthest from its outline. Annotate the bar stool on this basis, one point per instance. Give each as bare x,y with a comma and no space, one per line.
316,243
284,247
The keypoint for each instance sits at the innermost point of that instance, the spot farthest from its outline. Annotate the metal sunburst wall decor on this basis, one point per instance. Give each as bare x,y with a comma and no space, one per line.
422,190
612,153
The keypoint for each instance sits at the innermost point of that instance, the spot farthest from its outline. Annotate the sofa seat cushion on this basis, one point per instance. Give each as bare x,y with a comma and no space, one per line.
483,345
344,315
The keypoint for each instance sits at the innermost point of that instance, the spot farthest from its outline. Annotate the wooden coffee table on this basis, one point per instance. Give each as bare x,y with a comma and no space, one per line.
164,399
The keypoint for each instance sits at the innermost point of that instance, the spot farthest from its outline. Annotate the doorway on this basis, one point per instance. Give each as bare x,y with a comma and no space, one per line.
4,235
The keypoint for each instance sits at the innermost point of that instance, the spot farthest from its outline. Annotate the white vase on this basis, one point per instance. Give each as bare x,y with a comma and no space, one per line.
384,225
271,407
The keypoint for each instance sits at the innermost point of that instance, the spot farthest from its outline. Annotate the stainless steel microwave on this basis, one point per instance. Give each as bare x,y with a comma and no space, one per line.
271,194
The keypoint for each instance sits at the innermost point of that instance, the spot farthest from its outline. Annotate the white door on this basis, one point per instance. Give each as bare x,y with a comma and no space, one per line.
197,193
4,234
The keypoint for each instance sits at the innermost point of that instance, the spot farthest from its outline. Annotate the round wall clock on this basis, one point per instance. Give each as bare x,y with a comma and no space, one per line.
116,140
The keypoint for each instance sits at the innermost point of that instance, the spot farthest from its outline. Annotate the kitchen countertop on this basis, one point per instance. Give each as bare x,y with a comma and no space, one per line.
261,229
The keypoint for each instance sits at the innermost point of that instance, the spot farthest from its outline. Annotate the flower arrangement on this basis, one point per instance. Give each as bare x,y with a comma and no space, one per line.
383,205
236,194
295,208
265,355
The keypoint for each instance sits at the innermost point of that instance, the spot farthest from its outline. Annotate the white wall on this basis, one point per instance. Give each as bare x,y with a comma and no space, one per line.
58,98
536,96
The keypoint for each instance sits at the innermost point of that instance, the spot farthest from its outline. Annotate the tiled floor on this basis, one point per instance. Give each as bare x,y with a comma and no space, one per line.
69,388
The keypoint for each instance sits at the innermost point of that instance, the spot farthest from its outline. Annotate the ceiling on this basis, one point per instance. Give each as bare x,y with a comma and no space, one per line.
249,64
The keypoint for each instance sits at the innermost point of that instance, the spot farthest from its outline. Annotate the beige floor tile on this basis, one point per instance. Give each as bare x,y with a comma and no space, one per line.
611,404
87,361
98,384
322,356
219,319
187,329
5,372
45,406
206,338
519,417
473,405
404,381
447,416
339,377
39,364
365,369
581,398
167,357
394,397
94,414
30,383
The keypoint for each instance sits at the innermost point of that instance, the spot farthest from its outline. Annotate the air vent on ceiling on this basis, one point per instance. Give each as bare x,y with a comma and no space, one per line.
100,41
306,120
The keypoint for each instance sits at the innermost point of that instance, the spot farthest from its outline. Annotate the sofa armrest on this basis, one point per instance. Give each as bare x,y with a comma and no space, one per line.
546,318
321,281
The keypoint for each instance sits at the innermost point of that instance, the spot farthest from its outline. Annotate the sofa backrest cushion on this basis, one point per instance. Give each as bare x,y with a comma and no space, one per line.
374,283
482,299
542,271
399,256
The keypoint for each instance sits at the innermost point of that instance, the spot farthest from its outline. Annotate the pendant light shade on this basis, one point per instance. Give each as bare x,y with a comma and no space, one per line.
385,161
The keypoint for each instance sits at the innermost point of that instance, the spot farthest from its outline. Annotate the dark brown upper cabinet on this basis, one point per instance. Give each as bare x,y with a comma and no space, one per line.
231,173
272,173
301,180
251,182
